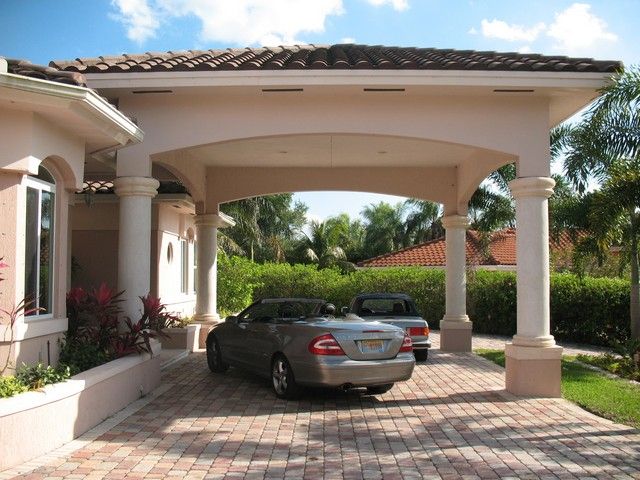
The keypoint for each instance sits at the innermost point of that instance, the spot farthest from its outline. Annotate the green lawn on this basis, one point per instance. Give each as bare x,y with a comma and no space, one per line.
615,399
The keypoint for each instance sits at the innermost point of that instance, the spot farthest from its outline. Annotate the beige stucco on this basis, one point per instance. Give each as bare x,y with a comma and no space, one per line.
57,126
95,228
322,141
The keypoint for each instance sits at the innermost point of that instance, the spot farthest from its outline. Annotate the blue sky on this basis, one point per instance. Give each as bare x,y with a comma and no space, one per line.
44,30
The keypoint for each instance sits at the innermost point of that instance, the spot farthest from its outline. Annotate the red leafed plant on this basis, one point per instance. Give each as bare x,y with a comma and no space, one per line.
94,320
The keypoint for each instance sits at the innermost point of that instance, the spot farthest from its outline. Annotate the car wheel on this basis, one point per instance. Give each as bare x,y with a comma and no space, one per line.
421,355
282,379
214,357
379,389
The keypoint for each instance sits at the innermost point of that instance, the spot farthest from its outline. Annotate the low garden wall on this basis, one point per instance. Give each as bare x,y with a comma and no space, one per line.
36,422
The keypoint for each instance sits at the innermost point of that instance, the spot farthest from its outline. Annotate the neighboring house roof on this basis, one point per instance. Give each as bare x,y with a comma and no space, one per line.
321,57
498,249
28,69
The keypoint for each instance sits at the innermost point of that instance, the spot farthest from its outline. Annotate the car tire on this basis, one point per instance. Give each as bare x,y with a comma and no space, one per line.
214,357
421,355
283,381
379,389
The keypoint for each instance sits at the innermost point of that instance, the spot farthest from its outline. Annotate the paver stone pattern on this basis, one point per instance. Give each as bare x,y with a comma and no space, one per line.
453,419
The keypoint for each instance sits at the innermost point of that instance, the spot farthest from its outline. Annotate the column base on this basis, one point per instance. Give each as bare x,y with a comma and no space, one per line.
533,371
206,321
455,333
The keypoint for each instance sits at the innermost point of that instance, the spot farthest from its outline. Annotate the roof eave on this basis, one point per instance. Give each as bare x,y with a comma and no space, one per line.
309,77
83,102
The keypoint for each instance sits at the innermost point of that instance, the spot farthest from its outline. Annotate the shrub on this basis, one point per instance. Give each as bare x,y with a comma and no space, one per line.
10,386
237,279
37,376
587,310
95,336
80,356
491,302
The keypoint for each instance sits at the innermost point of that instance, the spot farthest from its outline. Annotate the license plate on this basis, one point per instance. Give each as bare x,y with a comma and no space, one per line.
371,346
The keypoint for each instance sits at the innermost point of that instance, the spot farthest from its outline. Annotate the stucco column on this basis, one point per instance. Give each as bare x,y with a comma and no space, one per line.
533,359
455,327
207,272
134,240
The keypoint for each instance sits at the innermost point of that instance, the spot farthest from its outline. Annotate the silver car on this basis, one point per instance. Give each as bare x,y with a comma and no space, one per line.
396,309
297,341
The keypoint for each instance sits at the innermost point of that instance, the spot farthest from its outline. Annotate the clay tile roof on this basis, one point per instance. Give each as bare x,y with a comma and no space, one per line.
326,57
497,248
27,69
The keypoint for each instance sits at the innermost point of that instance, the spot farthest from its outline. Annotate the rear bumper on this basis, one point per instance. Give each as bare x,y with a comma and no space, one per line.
421,344
338,371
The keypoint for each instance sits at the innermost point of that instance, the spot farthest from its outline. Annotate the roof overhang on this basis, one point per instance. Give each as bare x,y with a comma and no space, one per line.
567,92
79,110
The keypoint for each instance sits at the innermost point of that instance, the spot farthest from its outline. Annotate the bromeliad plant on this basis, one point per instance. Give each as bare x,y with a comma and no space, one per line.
96,334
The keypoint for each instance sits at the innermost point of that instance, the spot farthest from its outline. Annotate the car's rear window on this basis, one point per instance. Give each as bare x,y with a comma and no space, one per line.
387,306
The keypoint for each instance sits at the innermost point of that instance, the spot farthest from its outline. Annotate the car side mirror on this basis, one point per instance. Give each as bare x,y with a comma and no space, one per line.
231,319
344,310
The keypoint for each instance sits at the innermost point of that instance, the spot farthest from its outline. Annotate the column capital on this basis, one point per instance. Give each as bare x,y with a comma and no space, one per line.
136,186
532,187
218,220
455,221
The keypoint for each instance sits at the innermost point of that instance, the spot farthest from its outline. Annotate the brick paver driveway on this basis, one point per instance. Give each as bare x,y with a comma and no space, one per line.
452,420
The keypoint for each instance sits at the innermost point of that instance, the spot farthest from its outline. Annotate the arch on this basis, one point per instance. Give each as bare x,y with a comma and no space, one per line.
481,122
62,172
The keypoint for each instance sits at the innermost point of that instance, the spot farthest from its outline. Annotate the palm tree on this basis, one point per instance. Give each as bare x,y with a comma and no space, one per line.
321,246
384,228
424,221
265,226
606,146
491,207
349,235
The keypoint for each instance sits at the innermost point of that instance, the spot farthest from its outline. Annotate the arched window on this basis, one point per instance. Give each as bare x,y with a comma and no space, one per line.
39,242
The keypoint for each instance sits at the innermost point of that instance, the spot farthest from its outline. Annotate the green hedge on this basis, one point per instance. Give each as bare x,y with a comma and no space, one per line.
585,310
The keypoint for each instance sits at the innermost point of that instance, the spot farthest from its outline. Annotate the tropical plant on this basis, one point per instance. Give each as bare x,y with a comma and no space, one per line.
321,246
96,334
265,226
605,147
491,206
37,376
423,221
384,228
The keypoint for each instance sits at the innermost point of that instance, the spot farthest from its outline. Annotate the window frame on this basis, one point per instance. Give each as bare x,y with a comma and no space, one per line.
40,186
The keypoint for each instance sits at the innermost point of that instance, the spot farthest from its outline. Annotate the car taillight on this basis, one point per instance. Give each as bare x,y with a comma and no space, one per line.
407,344
418,331
325,345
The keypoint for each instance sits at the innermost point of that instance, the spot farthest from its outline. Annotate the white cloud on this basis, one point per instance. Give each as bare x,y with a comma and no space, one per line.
398,5
577,30
137,16
512,33
524,49
348,40
472,31
243,22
